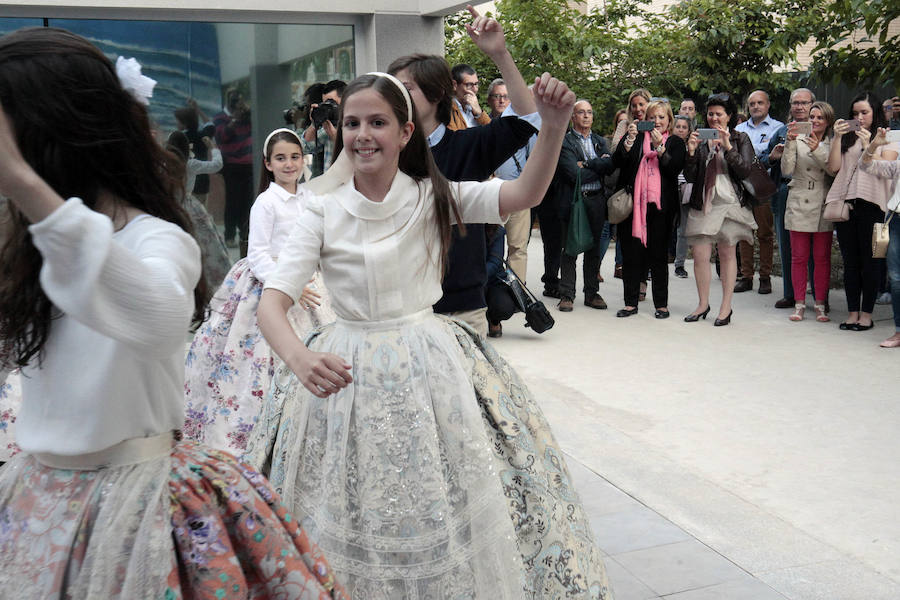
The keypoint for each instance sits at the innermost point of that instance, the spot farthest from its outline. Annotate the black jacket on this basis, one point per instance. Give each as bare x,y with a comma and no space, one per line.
567,168
739,160
670,165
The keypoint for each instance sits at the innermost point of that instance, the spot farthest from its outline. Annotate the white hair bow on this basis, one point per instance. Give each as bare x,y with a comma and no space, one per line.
139,86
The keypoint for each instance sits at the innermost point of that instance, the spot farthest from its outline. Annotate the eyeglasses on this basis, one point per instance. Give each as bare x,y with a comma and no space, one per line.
801,102
470,86
499,96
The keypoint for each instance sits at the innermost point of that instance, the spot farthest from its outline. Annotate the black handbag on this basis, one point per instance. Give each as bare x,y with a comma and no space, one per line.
536,314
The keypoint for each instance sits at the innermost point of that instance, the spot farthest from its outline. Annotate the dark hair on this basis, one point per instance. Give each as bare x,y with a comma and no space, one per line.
86,137
313,93
878,119
266,176
686,119
415,159
335,85
178,144
726,101
461,69
432,75
188,117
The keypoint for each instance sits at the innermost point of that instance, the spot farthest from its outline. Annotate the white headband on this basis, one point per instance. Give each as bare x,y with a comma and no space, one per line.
409,112
269,137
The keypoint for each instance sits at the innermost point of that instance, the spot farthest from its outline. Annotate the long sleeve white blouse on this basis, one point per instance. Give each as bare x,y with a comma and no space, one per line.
271,220
113,365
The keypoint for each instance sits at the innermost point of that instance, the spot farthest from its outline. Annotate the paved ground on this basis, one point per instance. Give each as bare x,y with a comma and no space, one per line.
756,461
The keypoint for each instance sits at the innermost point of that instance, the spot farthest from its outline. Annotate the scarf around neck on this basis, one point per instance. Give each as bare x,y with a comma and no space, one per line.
647,188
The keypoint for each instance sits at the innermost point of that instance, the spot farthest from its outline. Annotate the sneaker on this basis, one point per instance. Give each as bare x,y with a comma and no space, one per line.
680,272
565,305
596,301
765,286
743,285
885,298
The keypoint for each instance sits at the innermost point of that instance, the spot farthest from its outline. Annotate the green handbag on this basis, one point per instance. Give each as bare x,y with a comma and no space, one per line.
579,237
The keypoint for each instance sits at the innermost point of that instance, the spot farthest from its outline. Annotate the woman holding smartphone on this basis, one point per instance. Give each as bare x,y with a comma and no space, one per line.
720,208
869,195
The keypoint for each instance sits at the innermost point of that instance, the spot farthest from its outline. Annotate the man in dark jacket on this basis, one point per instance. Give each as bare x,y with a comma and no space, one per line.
585,152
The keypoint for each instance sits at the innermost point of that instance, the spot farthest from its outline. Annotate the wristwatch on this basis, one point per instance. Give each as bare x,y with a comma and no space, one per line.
660,148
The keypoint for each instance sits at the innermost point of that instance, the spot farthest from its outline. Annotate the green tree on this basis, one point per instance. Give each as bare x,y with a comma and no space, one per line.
859,21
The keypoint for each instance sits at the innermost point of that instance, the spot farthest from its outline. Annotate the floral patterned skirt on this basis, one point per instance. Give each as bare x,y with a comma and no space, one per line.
191,523
213,252
10,402
229,365
434,474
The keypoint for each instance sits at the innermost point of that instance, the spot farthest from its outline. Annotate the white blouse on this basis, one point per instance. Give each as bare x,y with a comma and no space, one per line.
113,364
272,219
380,260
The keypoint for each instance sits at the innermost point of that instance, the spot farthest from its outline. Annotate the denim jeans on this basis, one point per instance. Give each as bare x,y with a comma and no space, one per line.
681,245
893,268
779,203
605,238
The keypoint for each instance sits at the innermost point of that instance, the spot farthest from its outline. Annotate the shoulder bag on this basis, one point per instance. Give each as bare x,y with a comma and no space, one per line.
579,237
758,183
619,206
881,237
838,211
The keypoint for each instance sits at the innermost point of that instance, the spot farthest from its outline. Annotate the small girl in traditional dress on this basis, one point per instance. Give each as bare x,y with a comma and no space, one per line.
414,452
96,295
229,365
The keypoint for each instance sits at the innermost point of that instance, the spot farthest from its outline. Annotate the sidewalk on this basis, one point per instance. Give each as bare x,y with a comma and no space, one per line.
756,461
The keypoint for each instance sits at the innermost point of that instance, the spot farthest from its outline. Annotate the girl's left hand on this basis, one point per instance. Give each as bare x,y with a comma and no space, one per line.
554,100
487,33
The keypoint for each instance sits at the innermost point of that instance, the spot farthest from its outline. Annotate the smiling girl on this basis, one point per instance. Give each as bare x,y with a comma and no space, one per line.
411,447
229,366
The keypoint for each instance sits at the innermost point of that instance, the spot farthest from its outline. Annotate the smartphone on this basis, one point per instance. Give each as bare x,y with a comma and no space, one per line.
853,124
646,125
803,128
708,134
893,135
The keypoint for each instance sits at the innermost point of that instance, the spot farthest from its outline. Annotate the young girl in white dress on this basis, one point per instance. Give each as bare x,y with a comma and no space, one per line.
229,365
409,447
96,295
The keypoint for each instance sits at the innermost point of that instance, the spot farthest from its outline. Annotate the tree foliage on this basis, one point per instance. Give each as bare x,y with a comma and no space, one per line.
857,21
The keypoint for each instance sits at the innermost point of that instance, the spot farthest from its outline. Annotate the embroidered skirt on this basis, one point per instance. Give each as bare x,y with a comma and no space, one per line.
434,474
10,402
229,365
183,522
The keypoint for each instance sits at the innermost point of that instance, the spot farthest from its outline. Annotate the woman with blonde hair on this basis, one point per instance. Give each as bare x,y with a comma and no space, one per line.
650,162
636,108
805,158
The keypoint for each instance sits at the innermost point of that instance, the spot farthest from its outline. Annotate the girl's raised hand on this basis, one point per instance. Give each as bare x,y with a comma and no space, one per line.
554,100
487,33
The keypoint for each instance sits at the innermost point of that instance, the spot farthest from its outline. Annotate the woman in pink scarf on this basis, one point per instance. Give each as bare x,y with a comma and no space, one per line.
650,162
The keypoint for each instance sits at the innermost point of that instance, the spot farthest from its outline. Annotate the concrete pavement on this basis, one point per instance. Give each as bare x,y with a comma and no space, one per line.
753,461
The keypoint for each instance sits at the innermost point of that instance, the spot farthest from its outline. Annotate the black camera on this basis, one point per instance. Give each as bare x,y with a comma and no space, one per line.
296,113
328,110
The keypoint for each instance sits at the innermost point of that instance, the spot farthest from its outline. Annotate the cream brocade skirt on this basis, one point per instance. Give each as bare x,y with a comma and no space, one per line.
727,221
433,475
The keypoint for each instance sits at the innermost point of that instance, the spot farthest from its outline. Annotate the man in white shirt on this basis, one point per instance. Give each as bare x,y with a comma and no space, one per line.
760,127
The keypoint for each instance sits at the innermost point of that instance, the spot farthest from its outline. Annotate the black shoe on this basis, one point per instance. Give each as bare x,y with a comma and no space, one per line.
725,321
765,286
860,327
680,272
551,293
743,285
662,314
847,326
626,312
495,331
694,317
785,303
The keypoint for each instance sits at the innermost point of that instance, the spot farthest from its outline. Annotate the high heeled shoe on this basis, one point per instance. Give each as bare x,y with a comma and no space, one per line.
694,317
725,321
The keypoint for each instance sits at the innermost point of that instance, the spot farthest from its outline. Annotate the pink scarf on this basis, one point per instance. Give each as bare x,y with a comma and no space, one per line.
647,189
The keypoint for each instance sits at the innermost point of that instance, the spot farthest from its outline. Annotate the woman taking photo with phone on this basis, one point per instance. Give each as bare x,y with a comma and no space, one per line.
720,208
868,197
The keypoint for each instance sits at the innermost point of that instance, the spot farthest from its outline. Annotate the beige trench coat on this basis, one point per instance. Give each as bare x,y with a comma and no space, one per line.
809,186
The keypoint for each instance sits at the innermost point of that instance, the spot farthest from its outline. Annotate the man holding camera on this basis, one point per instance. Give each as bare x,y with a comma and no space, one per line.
233,136
321,132
760,128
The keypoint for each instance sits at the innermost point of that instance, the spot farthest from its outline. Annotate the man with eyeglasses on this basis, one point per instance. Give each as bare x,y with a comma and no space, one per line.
466,109
801,101
497,98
